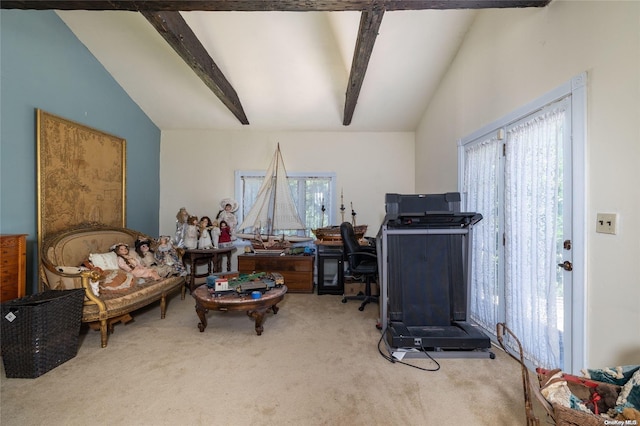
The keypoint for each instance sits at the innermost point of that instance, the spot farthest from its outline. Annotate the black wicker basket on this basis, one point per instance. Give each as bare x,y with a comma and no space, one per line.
40,332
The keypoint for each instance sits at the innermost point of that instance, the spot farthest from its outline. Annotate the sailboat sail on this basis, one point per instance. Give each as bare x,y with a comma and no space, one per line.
274,208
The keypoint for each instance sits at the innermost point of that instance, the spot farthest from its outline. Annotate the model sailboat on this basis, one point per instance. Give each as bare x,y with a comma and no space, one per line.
332,233
273,211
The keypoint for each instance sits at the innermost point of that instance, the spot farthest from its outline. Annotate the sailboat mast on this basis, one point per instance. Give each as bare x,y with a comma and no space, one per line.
274,193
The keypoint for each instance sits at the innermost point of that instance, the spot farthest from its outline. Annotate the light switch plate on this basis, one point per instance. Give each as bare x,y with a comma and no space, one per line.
606,223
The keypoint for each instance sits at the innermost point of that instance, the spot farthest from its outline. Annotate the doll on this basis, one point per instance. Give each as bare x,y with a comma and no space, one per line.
225,235
131,262
181,226
191,233
229,206
143,248
166,255
148,259
215,233
205,226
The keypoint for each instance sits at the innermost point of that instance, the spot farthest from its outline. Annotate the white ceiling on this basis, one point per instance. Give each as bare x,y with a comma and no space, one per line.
289,69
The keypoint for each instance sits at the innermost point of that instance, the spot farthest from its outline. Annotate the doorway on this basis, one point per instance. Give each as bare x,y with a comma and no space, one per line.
520,174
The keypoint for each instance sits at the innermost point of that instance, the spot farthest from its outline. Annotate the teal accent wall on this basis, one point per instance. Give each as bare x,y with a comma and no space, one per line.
43,65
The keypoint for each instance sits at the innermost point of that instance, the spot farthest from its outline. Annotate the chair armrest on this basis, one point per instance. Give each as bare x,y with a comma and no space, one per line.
357,254
368,249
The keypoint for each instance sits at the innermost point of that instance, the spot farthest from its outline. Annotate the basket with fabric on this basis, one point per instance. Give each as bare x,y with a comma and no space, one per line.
575,400
601,397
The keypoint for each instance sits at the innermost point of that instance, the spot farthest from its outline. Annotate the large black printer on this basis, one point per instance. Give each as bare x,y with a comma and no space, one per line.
424,258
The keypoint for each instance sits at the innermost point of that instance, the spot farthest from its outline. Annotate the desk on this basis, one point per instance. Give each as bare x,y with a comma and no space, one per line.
255,308
297,270
211,257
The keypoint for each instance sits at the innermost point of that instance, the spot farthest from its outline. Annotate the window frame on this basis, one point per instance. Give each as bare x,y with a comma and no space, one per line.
330,204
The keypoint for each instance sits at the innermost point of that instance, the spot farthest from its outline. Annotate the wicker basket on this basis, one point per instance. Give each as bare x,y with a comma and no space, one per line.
560,415
40,332
565,416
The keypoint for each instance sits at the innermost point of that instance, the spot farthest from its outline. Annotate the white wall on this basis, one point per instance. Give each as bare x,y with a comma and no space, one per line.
511,57
197,167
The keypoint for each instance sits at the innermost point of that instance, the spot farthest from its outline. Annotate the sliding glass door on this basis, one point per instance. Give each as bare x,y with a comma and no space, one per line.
519,176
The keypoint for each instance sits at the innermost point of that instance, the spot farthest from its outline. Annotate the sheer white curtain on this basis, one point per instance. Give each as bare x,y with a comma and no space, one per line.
533,215
481,179
517,245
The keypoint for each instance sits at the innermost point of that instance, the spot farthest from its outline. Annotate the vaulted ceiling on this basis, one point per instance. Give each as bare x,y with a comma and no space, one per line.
363,65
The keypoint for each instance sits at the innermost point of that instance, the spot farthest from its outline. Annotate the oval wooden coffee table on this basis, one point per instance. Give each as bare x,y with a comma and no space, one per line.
255,308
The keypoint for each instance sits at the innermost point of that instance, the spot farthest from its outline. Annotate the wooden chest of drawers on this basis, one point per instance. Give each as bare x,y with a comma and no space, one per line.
296,270
13,266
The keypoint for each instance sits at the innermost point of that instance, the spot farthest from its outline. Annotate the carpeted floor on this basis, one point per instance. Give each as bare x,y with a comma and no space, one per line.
317,363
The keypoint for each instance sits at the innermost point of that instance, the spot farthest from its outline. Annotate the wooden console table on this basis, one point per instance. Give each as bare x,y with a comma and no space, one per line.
210,257
297,270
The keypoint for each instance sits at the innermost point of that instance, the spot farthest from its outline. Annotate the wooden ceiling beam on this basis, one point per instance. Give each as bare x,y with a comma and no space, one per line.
266,5
175,30
165,17
367,32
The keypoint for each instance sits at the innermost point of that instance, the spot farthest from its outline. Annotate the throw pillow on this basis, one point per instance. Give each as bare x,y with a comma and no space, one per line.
104,261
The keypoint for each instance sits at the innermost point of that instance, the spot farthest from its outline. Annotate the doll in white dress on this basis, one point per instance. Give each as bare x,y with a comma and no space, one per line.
205,226
191,233
215,234
227,214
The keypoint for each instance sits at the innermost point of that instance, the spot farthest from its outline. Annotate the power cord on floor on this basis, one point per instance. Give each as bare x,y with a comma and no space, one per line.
393,359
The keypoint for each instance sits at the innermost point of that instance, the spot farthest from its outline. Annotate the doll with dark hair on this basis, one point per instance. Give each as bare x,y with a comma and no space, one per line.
148,259
205,226
143,248
225,235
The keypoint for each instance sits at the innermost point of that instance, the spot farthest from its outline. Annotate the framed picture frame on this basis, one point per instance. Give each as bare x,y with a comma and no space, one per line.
81,175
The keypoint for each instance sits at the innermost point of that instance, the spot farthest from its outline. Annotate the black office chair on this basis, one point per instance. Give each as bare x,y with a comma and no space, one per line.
362,261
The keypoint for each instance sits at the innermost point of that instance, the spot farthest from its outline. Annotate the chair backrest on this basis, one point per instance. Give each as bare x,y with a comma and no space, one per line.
349,242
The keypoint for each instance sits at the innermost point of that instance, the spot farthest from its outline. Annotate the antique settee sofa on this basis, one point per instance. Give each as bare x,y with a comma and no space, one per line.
64,258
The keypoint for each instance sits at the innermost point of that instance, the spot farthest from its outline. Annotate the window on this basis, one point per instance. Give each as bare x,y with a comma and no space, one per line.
311,192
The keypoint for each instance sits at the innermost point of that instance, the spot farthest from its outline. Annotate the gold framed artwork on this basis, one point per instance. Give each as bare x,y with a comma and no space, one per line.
81,175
